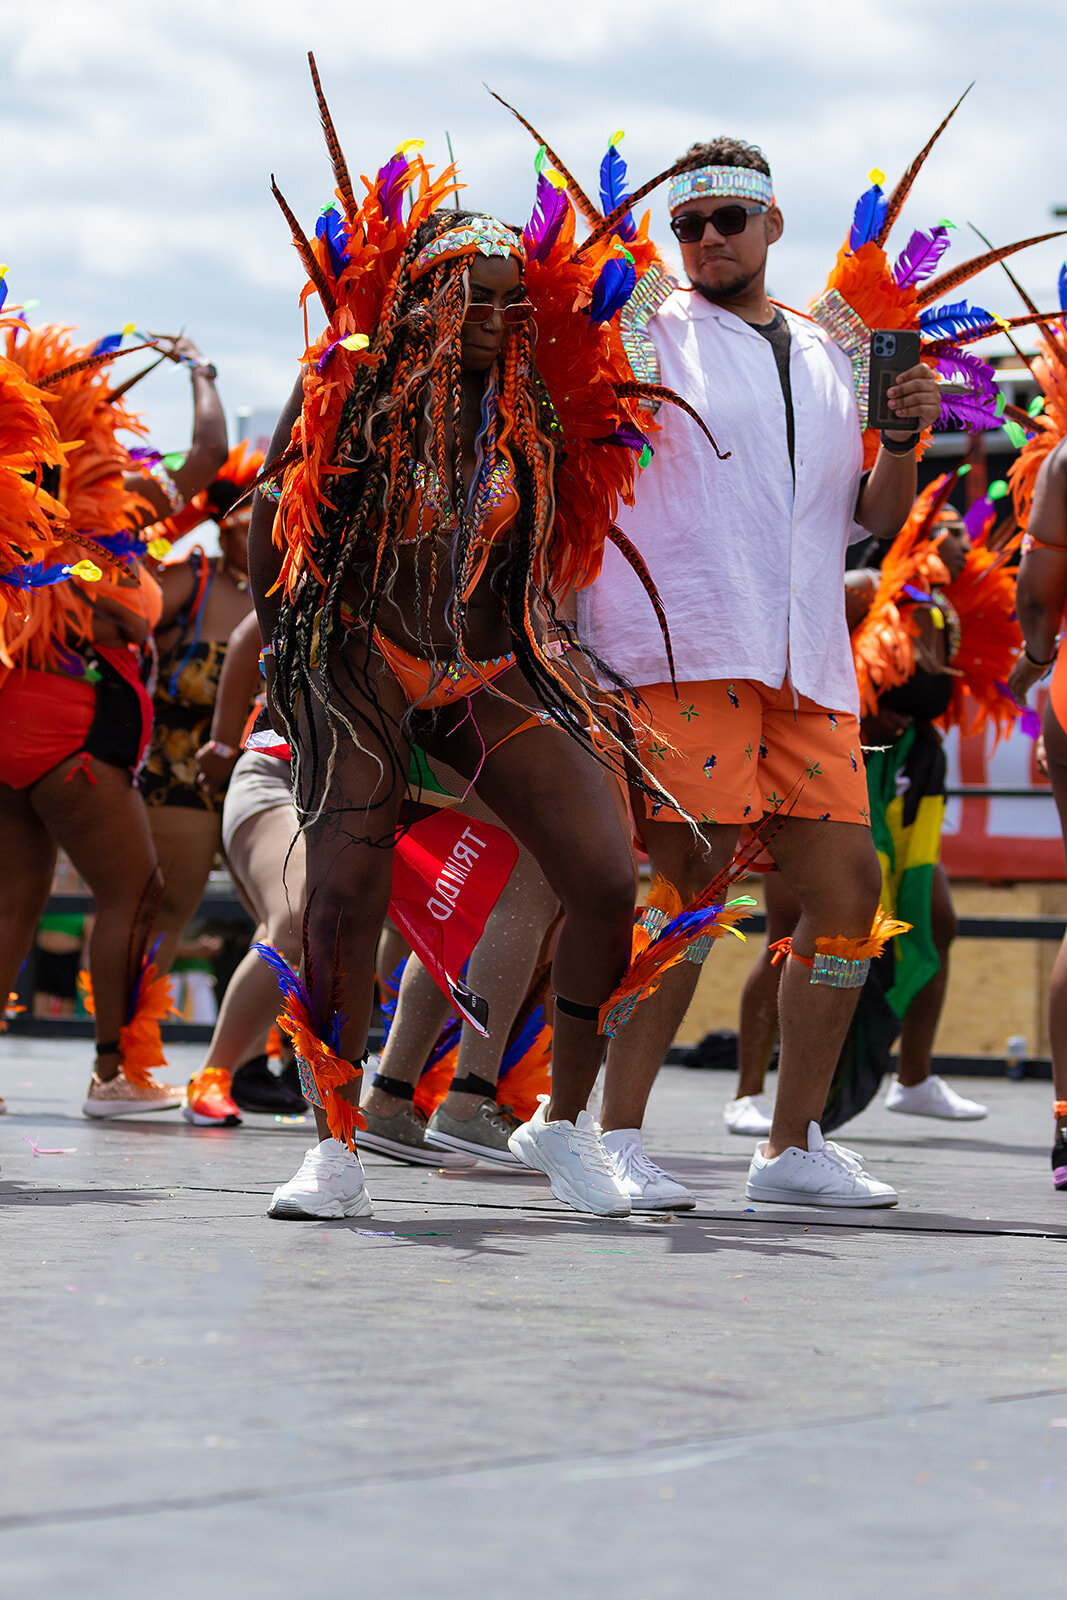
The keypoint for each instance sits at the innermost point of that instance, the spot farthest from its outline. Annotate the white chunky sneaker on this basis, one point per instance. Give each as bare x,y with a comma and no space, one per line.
648,1186
825,1174
573,1159
751,1115
932,1098
329,1184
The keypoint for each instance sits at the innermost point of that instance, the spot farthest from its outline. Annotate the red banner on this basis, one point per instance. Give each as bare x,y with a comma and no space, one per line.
448,874
1001,840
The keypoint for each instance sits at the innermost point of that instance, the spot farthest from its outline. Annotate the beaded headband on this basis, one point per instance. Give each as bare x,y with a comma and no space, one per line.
483,237
707,183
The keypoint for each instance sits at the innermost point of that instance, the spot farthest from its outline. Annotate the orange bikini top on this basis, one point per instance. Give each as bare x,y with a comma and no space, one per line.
492,508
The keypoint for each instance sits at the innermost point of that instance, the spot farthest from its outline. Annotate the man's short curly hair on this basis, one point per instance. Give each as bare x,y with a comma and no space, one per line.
726,153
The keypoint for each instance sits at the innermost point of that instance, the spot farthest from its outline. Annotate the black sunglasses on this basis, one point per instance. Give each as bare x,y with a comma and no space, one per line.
688,227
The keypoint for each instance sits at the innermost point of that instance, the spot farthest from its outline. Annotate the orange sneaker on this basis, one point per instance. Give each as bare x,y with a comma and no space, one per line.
207,1100
120,1098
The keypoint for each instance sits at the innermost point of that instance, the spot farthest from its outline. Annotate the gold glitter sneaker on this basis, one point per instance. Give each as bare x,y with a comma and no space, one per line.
118,1097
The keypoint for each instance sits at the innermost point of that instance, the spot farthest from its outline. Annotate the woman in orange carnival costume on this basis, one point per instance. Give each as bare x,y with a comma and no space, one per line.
438,489
74,713
1039,484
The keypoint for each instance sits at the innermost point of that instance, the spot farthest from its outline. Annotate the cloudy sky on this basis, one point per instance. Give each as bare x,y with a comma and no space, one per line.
138,136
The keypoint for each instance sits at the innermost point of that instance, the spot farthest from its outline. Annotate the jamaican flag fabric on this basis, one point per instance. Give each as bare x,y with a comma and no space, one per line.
906,786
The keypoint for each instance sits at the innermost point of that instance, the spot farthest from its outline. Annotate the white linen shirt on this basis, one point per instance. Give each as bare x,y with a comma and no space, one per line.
751,573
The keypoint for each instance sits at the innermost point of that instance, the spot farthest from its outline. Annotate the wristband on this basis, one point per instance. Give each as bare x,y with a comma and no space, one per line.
226,751
901,447
206,369
1033,661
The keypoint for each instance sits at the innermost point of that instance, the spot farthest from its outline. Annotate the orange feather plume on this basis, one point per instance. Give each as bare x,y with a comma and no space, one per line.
140,1039
92,495
870,945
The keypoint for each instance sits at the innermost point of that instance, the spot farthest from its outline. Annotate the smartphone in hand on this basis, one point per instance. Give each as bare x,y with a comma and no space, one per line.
893,351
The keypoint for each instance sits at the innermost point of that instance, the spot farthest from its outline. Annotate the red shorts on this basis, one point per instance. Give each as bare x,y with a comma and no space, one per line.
732,751
44,718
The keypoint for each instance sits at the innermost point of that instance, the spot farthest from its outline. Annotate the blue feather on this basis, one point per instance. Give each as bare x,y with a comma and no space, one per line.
1061,284
110,341
946,321
288,981
3,292
613,191
613,288
35,575
329,228
523,1040
868,217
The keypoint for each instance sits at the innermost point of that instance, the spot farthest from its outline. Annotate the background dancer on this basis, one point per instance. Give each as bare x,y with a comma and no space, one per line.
74,718
204,599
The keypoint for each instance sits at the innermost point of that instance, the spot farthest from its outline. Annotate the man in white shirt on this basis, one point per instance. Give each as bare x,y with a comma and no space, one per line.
748,556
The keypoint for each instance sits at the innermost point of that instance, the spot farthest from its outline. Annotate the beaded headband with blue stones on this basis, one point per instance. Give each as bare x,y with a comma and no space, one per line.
483,237
707,183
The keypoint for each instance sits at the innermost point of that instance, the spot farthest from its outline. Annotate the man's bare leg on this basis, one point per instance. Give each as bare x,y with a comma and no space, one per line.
832,869
636,1054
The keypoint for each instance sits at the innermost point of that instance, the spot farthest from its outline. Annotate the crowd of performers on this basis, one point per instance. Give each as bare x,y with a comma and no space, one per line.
545,569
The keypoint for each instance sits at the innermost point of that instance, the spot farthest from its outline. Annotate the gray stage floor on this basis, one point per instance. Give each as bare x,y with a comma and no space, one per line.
478,1392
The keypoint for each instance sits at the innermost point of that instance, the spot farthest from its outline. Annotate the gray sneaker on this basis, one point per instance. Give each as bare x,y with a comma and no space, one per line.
403,1137
484,1135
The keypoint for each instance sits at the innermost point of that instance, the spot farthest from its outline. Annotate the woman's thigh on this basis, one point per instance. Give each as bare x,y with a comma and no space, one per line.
94,813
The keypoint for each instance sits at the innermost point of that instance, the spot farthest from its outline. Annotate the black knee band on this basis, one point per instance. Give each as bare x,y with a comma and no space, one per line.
394,1086
472,1084
572,1008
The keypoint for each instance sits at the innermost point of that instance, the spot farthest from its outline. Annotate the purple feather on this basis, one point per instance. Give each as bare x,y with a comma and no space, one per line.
626,434
1029,720
3,292
920,255
868,217
973,412
549,212
978,373
391,188
977,517
613,288
1061,284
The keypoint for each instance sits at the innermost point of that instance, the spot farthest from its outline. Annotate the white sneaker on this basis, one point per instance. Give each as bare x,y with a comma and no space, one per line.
825,1174
750,1115
329,1184
649,1187
932,1098
574,1161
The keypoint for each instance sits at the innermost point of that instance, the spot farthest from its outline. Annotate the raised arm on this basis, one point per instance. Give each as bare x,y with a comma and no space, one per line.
890,489
264,559
207,447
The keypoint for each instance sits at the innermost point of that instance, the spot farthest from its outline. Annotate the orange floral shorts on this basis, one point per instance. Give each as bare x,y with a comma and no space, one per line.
732,751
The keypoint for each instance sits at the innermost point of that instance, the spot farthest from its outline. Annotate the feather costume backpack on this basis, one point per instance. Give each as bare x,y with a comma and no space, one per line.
864,291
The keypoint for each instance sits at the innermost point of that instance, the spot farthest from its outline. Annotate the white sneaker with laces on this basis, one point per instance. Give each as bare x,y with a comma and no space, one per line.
825,1174
751,1115
329,1184
573,1159
648,1186
932,1098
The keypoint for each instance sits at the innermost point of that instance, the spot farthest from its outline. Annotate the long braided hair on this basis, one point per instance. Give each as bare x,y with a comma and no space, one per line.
416,380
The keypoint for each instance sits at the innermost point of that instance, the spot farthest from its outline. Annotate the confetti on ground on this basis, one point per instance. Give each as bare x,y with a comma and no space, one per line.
38,1151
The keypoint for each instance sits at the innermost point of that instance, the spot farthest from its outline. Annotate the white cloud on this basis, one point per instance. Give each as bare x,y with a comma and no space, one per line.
139,138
